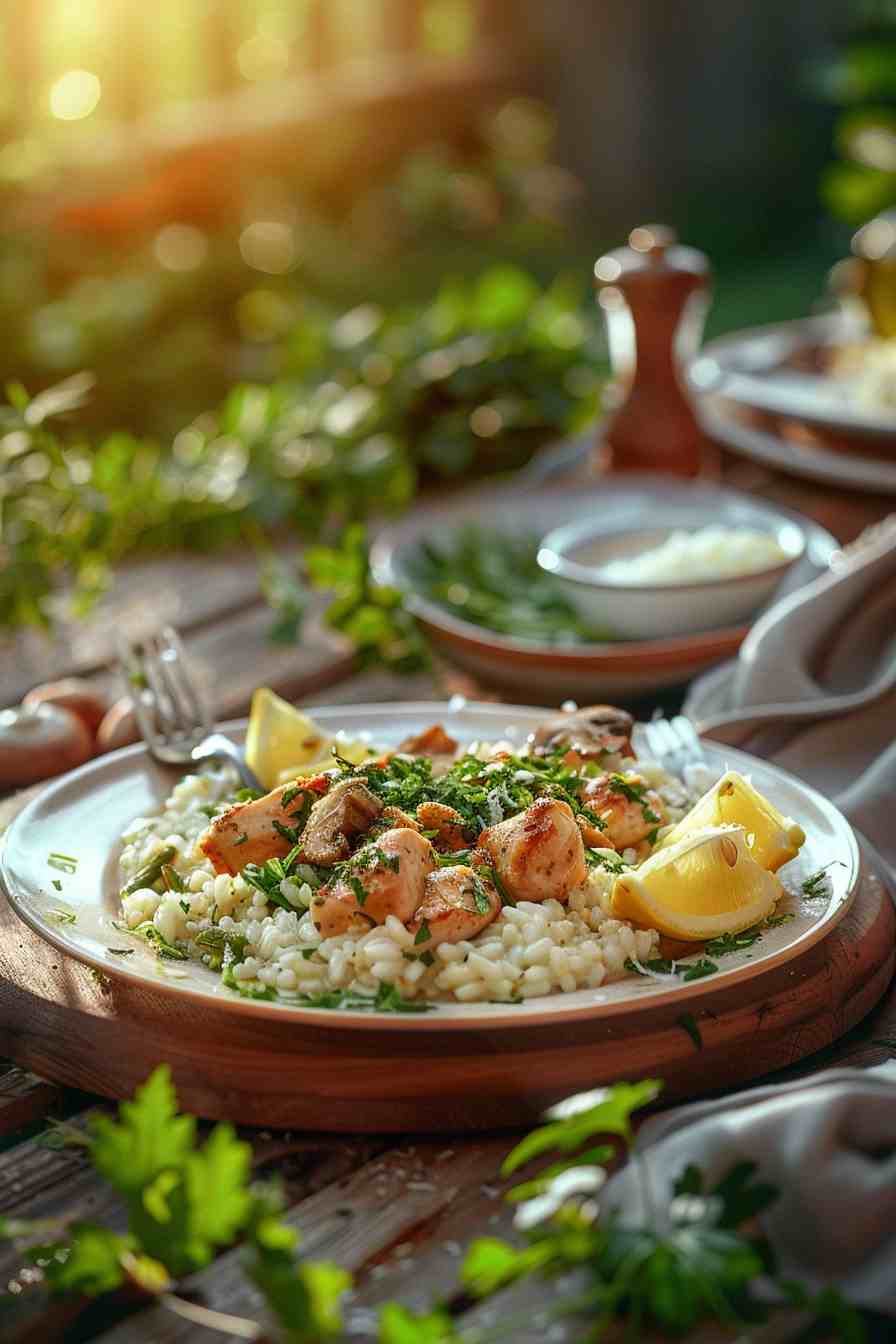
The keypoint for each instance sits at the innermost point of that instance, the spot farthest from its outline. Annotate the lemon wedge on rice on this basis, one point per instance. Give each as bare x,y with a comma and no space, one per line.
707,884
773,839
282,743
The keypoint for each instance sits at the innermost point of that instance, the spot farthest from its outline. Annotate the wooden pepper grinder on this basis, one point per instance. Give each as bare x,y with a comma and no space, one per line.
654,294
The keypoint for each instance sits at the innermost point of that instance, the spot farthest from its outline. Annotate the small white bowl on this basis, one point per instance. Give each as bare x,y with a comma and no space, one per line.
576,553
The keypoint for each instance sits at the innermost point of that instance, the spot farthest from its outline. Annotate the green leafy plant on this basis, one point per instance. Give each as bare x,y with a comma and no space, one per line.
367,401
696,1259
861,81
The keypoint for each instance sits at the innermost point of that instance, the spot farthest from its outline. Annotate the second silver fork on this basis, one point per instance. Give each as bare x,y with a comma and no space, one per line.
171,712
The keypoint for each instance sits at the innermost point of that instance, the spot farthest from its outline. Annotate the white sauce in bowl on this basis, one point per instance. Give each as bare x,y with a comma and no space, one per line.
707,554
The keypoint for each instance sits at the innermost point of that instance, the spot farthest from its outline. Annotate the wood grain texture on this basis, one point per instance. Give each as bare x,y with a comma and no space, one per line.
107,1037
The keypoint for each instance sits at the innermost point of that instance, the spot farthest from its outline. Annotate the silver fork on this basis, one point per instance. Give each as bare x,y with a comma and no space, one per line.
673,743
173,716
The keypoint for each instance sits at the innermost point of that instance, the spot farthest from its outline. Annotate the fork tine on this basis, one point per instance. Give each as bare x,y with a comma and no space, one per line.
175,662
160,702
187,720
692,747
132,657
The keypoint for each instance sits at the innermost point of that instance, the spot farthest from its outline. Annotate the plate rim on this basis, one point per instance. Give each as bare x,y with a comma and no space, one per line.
482,1017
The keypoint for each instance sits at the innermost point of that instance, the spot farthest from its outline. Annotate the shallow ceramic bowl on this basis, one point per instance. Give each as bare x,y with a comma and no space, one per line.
576,553
629,669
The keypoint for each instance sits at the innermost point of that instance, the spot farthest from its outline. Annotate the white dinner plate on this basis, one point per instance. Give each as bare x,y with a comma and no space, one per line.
83,814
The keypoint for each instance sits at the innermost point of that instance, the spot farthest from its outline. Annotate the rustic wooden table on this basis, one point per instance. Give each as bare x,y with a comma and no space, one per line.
395,1213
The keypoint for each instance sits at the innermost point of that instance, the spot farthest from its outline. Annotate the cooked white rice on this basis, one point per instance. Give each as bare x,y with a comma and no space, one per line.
530,950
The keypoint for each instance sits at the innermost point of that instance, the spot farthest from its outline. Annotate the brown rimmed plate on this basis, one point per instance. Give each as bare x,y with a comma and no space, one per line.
621,669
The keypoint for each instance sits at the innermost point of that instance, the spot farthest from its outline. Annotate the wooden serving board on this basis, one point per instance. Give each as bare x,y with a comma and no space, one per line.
58,1020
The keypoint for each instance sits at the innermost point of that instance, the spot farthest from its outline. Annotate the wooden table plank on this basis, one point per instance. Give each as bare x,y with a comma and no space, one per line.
24,1098
358,1222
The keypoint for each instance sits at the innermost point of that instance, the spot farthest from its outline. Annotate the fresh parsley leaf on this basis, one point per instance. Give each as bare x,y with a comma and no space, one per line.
423,934
398,1325
696,970
580,1118
733,942
148,1136
89,1261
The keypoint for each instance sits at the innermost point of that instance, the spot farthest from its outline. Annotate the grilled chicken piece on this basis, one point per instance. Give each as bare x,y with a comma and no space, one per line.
384,877
539,853
457,904
586,734
347,810
432,741
247,834
449,827
628,820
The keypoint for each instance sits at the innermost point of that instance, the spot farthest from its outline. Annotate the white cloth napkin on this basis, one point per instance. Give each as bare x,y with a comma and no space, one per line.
837,635
827,1143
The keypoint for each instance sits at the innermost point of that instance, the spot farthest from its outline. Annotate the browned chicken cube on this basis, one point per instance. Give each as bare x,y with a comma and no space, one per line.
538,854
628,809
248,832
458,903
384,877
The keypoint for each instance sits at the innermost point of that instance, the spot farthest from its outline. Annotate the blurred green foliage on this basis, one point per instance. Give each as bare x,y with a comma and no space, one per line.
368,401
861,81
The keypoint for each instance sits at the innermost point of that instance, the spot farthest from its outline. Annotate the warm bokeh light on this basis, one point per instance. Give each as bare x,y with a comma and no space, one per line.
268,245
262,57
75,95
180,247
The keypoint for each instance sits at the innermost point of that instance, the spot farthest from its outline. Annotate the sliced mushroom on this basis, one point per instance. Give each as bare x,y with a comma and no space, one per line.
586,734
348,810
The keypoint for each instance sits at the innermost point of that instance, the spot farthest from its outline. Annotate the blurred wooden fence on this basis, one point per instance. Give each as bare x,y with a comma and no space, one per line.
343,101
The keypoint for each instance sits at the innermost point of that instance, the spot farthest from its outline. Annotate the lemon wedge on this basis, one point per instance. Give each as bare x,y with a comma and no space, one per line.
773,839
281,741
707,884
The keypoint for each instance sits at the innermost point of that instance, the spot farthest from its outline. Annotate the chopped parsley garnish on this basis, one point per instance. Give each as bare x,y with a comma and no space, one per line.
266,877
221,947
63,916
290,794
241,839
423,934
388,999
490,874
696,970
357,887
635,793
605,858
121,951
57,884
247,795
185,906
427,958
661,967
64,862
158,942
291,834
774,920
816,884
475,789
733,942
